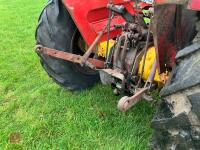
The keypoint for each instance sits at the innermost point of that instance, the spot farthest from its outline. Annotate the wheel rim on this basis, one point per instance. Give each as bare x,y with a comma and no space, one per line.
79,46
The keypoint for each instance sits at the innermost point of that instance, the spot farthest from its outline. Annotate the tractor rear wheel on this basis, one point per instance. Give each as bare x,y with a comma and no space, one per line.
57,30
177,122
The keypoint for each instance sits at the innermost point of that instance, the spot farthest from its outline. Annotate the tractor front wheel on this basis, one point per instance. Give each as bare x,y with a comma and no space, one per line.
57,30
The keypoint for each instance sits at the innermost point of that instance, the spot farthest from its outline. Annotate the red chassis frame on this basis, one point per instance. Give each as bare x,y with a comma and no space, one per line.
91,16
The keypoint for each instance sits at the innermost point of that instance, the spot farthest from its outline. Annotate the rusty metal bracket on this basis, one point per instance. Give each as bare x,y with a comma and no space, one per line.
114,73
127,102
91,62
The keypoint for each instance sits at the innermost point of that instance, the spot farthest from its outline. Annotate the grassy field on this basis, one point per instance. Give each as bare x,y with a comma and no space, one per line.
35,113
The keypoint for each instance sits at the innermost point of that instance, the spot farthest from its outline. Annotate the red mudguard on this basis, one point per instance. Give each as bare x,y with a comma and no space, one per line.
91,16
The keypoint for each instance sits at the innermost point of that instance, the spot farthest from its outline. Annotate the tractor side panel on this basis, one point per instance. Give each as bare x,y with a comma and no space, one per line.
174,29
91,16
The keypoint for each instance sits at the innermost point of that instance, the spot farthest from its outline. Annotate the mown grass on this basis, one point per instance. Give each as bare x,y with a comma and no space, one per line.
35,113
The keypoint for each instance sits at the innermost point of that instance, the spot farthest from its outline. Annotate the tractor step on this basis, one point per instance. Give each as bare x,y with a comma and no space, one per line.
114,73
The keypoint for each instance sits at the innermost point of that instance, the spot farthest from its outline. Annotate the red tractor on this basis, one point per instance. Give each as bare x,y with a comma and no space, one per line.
136,47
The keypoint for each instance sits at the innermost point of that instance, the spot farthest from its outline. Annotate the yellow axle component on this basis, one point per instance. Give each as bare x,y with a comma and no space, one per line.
150,58
102,48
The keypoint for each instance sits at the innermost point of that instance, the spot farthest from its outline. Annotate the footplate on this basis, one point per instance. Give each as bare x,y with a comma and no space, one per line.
114,73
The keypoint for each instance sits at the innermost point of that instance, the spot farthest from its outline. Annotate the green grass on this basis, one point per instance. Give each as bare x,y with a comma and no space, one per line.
43,115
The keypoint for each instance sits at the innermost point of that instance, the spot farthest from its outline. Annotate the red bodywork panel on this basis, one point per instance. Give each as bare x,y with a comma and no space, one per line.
194,5
91,16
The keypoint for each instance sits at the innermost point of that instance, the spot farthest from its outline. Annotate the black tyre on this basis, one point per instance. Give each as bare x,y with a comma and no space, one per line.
56,29
177,122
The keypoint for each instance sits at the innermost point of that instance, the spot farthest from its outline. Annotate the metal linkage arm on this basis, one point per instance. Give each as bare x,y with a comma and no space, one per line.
90,62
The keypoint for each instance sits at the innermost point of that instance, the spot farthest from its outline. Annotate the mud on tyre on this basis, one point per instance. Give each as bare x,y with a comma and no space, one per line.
177,122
